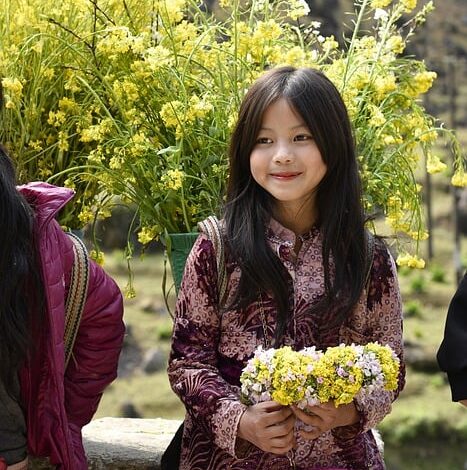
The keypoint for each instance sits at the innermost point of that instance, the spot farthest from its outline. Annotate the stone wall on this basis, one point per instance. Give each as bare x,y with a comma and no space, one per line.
127,443
131,443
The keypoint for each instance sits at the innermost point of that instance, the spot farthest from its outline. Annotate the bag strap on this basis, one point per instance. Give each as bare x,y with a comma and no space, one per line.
212,227
370,251
77,294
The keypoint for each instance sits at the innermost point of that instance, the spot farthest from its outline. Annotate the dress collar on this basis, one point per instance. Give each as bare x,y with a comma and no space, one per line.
277,233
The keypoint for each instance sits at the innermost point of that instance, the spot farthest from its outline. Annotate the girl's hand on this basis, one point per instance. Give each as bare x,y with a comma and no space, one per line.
325,416
269,426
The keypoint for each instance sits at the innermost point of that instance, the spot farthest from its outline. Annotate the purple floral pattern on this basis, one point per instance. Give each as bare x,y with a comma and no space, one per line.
210,349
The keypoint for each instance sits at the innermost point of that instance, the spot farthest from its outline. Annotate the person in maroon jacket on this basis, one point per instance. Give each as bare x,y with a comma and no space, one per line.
452,353
44,405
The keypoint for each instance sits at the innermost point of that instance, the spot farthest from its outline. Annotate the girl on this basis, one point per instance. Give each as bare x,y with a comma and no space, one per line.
296,260
44,405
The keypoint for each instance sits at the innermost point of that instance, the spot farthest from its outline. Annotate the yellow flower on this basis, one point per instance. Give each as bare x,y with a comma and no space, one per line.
48,73
388,361
421,82
86,215
434,164
12,86
396,44
408,5
116,162
384,85
288,376
338,375
68,105
157,57
198,108
171,10
56,119
118,40
410,261
171,113
63,141
173,179
429,136
459,179
129,291
415,235
148,234
380,3
294,55
297,9
377,118
97,132
35,145
98,256
329,44
69,183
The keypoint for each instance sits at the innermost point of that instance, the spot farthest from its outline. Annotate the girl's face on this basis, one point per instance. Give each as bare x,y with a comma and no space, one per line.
287,163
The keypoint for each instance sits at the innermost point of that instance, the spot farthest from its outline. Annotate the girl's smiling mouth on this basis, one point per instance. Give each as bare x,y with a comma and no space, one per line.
286,175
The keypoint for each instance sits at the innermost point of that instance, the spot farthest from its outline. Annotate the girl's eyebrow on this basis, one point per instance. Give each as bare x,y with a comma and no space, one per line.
298,126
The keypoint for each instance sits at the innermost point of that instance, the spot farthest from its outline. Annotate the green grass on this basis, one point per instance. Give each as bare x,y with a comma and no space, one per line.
426,455
150,394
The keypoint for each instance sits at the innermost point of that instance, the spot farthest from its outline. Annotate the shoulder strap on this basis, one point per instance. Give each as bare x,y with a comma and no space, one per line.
77,293
213,229
370,251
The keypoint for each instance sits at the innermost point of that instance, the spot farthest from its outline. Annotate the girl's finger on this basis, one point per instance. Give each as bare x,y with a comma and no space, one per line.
312,434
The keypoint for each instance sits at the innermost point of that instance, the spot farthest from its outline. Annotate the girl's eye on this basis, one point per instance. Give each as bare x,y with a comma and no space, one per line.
263,140
302,137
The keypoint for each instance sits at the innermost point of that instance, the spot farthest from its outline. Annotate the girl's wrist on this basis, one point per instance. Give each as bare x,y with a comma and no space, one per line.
350,415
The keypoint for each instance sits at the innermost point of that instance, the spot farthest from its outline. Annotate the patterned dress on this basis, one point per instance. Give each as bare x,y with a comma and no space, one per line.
209,351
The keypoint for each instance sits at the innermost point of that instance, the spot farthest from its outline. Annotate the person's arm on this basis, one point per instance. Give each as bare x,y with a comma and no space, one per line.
94,360
193,372
384,326
452,353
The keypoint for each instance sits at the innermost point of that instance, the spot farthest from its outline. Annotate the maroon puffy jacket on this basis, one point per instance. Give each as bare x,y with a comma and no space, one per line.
58,404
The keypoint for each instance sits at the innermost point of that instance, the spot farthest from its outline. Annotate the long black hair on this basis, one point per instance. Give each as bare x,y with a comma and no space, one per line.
340,213
20,284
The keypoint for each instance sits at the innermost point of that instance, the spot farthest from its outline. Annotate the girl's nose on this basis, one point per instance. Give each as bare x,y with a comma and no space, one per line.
283,156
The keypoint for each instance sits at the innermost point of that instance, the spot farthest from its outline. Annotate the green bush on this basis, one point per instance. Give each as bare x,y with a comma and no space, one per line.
418,284
413,309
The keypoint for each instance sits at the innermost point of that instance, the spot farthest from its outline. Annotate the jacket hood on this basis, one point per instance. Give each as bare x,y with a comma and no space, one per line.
46,199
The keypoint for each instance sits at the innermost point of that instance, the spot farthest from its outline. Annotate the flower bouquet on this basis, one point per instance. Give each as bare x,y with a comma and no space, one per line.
310,376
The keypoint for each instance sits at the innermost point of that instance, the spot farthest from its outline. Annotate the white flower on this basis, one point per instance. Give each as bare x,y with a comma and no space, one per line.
380,14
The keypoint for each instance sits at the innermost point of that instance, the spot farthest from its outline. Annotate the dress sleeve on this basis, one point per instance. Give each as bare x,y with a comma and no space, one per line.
452,354
193,374
94,360
384,325
385,319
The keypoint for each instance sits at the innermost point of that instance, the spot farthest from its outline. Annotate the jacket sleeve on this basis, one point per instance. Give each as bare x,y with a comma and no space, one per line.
94,361
383,325
209,400
452,354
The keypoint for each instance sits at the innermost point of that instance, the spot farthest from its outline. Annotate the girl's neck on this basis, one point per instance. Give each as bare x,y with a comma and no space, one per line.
299,223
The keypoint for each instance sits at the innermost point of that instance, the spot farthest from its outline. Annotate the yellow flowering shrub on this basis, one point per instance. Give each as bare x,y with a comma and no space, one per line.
135,101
